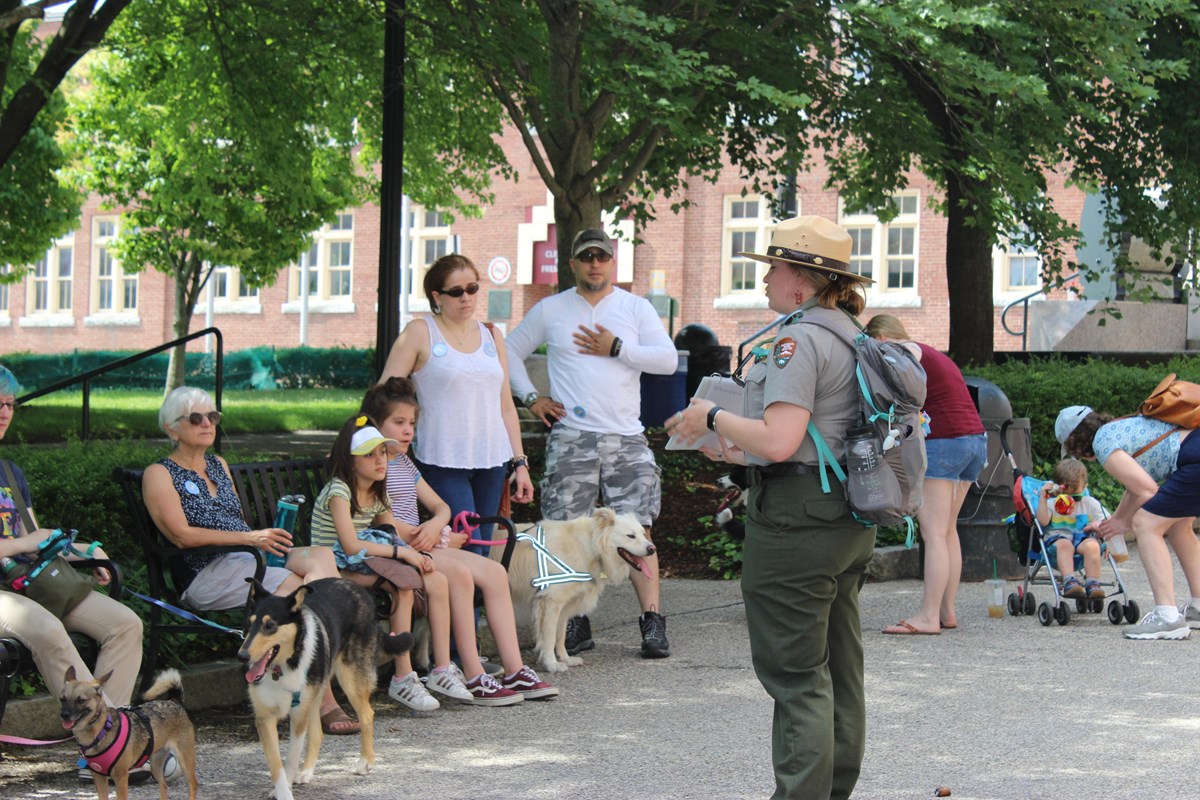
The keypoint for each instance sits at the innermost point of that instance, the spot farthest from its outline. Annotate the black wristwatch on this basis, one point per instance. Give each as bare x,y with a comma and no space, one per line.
615,350
712,417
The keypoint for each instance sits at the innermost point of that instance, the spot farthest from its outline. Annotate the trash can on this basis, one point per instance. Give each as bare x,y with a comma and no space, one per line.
706,356
982,532
663,395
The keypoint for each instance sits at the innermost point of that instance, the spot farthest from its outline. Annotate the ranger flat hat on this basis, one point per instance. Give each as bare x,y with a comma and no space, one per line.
813,242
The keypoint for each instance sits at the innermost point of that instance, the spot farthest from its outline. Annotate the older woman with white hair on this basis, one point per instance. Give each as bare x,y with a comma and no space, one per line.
191,498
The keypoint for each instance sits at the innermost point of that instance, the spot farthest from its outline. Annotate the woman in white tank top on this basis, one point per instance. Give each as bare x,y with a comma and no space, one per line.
468,431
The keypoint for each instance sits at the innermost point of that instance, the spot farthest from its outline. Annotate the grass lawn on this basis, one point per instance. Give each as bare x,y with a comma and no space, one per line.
134,414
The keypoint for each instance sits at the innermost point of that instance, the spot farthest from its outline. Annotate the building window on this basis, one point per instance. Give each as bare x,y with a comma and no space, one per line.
886,253
113,292
4,269
429,239
228,286
747,229
52,279
329,262
1017,267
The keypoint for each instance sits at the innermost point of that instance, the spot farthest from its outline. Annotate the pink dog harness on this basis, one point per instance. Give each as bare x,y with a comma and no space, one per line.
102,763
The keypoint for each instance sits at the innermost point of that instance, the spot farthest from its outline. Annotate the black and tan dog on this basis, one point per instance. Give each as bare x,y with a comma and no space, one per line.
294,645
115,740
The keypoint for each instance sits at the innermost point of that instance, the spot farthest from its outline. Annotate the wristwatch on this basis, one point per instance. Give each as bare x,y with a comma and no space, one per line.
519,461
529,399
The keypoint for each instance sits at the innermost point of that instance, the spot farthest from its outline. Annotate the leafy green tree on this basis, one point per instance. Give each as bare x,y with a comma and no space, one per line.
986,99
226,134
618,101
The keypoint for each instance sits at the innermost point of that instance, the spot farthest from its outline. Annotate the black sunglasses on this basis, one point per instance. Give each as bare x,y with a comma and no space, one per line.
196,418
459,291
588,256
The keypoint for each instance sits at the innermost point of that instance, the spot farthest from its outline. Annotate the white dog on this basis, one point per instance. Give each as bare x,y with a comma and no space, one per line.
605,546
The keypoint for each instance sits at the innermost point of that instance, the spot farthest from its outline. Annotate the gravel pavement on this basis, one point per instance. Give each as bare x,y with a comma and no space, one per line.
999,708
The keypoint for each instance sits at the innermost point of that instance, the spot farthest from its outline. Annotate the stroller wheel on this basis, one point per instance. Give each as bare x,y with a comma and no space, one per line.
1081,605
1096,606
1044,614
1062,615
1014,605
1029,604
1132,612
1115,615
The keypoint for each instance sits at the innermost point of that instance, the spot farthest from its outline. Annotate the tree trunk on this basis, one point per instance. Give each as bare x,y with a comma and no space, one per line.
968,278
569,219
176,366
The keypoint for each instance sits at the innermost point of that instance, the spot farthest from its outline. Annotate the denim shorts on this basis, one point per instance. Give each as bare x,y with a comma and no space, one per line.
1178,496
959,459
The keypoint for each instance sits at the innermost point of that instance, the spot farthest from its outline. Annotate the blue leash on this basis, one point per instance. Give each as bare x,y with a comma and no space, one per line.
183,613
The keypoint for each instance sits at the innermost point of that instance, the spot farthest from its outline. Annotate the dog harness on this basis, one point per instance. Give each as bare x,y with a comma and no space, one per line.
538,542
545,558
102,763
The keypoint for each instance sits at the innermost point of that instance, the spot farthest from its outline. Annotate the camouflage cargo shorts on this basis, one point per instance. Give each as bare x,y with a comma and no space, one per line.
583,467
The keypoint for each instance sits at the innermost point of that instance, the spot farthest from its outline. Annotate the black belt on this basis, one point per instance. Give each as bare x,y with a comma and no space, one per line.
785,469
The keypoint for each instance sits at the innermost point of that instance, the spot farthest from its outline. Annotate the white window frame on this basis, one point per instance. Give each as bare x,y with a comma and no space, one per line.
326,278
5,297
244,299
55,312
879,294
761,225
1003,256
122,285
422,235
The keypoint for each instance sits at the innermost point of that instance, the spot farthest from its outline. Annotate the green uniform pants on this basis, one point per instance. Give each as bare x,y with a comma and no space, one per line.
804,562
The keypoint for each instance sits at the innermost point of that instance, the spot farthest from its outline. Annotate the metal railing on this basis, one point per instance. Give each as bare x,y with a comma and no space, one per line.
86,378
1024,303
756,334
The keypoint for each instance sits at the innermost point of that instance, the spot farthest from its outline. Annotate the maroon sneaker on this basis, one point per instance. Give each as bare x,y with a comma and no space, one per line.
531,687
487,692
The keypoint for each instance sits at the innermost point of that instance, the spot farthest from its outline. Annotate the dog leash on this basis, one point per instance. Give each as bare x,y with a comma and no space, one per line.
6,739
183,613
462,524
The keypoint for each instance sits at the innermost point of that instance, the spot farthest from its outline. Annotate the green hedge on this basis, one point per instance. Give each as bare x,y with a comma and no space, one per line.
251,368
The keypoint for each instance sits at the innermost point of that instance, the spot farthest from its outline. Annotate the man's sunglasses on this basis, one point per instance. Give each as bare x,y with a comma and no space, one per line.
196,418
459,291
588,256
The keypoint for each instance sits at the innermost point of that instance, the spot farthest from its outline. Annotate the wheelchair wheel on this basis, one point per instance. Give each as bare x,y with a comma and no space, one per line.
1132,612
1044,614
1115,614
1062,615
1014,605
1029,604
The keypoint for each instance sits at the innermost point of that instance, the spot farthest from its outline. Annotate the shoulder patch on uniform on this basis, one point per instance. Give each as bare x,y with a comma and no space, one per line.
785,348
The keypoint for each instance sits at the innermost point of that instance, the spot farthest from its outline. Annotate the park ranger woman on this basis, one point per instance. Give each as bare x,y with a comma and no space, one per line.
805,556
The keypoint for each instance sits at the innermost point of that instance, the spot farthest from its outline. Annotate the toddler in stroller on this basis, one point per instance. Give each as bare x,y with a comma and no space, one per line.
1064,513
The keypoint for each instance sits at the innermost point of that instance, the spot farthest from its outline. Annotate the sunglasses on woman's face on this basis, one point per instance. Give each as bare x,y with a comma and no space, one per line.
196,418
588,256
459,291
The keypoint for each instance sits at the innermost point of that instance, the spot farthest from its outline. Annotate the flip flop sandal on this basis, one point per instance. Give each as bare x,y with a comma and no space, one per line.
905,628
336,716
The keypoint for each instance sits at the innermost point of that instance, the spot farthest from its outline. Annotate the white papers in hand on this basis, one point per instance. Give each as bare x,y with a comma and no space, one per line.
723,391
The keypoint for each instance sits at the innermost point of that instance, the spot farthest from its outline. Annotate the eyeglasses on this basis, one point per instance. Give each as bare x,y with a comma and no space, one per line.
459,291
196,417
11,405
588,256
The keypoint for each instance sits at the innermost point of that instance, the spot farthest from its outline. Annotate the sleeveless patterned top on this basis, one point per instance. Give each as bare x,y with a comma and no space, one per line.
202,510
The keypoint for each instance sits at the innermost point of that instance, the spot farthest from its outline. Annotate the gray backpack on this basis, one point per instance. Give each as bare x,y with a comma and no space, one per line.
891,386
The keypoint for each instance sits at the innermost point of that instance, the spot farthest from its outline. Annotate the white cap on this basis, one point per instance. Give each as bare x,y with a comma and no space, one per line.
1068,420
366,439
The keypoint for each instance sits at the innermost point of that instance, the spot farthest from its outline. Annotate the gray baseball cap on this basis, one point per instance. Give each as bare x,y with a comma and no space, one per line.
591,237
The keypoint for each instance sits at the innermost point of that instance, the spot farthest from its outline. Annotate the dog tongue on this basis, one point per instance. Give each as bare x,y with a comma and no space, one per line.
257,668
68,723
637,562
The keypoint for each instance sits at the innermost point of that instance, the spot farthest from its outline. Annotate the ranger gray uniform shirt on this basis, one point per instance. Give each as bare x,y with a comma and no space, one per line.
808,367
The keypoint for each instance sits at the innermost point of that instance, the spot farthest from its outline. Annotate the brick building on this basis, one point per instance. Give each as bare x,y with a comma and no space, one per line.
80,296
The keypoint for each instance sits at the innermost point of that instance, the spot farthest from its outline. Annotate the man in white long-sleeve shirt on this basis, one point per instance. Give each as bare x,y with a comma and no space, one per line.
599,340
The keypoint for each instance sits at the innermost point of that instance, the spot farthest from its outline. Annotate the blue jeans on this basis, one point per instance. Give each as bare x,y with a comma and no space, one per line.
475,490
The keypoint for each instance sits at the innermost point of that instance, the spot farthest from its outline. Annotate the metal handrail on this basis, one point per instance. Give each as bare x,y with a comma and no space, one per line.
758,333
86,378
1024,303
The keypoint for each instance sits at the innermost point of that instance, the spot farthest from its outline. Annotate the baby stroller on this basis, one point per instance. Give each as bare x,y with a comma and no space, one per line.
1026,538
